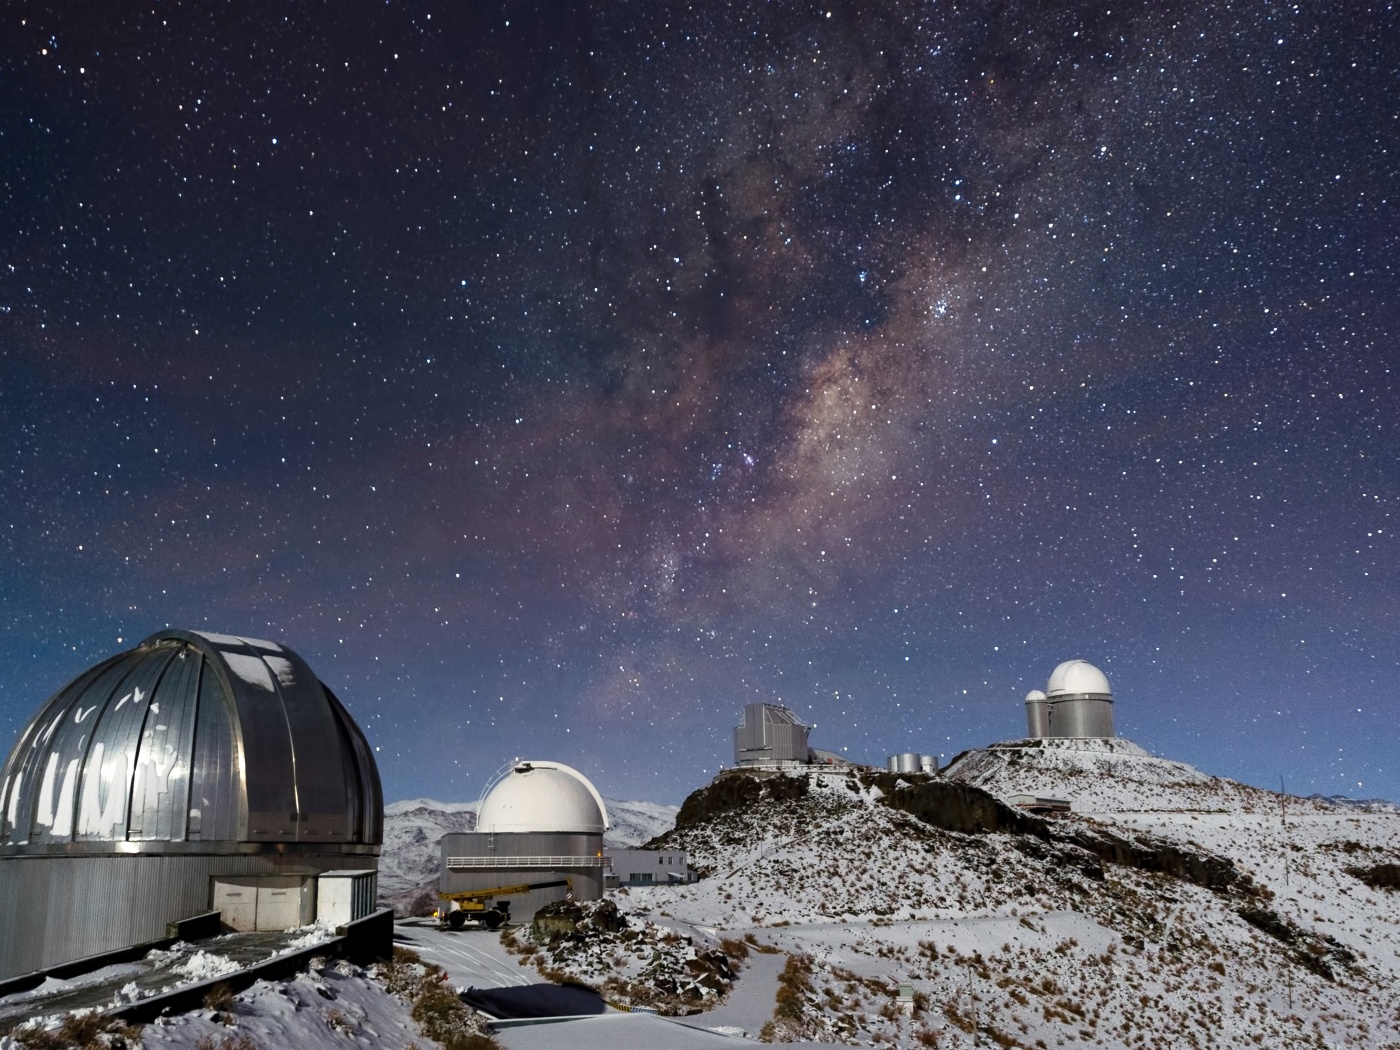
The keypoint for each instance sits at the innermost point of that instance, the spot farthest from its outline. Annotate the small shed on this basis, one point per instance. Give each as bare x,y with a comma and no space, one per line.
344,896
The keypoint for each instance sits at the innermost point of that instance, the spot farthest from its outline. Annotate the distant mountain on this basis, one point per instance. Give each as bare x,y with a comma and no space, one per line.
1360,805
409,864
632,823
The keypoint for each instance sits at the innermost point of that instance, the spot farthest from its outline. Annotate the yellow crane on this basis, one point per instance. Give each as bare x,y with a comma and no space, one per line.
472,904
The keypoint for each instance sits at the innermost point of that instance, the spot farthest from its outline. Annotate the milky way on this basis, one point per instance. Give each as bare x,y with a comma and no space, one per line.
557,379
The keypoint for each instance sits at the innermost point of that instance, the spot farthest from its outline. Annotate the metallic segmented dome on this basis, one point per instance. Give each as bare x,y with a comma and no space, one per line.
191,738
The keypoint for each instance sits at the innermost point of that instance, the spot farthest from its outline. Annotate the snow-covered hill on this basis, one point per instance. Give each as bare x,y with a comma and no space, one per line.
1186,911
1359,805
1110,776
632,823
408,866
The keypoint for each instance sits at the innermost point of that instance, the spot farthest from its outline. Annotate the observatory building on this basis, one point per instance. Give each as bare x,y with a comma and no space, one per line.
542,822
196,772
771,735
1077,702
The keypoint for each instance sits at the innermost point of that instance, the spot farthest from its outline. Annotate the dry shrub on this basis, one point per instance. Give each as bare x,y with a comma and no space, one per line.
219,997
734,948
231,1041
794,985
443,1017
88,1031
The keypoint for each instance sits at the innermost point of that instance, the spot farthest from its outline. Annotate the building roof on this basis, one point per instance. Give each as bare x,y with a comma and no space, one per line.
543,797
191,738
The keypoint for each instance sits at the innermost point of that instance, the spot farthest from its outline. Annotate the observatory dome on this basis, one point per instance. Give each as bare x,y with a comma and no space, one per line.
1034,696
190,738
543,797
1078,678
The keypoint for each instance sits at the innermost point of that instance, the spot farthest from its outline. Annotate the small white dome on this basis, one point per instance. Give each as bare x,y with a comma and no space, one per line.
1074,677
543,796
1034,696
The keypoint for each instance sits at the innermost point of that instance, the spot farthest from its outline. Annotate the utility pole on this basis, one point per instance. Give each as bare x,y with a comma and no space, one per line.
972,1003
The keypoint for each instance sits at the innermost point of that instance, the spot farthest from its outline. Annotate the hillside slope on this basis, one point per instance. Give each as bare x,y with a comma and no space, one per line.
1136,927
1111,776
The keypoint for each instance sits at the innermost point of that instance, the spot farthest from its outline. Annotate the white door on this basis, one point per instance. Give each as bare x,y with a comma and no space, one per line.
237,903
279,903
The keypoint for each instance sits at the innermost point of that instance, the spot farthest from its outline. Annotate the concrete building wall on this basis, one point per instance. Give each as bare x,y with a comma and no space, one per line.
649,867
55,909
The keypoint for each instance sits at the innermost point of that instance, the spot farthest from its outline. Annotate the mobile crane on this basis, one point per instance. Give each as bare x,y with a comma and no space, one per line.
472,904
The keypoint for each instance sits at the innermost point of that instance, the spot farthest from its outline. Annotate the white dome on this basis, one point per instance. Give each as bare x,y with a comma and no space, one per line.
1034,696
543,796
1074,677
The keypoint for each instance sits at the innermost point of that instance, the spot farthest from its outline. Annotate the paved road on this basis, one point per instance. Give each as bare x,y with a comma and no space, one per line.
472,958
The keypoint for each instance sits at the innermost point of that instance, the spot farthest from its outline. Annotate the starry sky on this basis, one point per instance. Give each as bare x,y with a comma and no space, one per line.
558,378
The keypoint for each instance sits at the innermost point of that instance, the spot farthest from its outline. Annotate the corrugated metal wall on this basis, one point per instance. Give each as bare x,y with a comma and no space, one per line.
56,909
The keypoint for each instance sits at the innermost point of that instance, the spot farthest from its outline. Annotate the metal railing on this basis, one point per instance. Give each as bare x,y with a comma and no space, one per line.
459,863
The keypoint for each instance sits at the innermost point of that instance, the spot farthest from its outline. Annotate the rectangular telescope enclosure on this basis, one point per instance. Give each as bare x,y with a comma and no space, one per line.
769,734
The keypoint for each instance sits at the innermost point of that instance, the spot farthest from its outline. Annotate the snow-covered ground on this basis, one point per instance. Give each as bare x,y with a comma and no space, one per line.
159,970
1169,909
1036,940
471,957
333,1006
409,863
1109,776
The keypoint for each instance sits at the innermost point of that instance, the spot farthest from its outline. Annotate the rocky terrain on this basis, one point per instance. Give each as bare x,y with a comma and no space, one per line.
632,963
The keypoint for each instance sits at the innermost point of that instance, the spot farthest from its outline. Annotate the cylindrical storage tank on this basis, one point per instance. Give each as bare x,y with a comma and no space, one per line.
543,822
1080,701
892,764
928,763
1037,715
909,762
192,761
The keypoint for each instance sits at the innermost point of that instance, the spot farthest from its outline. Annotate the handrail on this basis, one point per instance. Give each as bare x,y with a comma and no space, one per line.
529,862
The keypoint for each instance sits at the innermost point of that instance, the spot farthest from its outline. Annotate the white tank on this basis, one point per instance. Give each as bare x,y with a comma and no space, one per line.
1037,715
543,797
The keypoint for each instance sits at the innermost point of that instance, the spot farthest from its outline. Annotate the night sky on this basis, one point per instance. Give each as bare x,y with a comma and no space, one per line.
557,379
